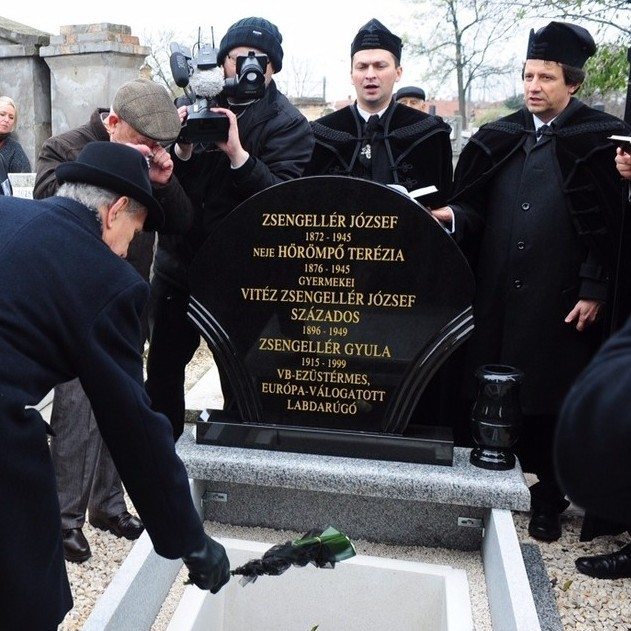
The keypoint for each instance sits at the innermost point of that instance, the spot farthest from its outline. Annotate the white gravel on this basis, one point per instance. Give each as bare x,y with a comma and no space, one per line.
585,604
88,580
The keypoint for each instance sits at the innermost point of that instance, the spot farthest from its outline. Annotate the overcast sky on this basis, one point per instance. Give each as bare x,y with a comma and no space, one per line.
323,36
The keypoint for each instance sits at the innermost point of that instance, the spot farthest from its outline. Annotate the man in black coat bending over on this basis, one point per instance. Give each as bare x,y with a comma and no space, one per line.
376,138
70,306
536,208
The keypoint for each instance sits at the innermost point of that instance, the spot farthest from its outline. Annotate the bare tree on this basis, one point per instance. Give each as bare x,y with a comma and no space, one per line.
466,43
610,23
297,79
158,59
611,16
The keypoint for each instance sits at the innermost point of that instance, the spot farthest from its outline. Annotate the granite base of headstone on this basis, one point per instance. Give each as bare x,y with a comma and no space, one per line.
329,303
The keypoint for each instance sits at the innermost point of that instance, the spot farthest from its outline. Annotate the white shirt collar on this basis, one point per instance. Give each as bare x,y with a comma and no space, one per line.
539,123
366,115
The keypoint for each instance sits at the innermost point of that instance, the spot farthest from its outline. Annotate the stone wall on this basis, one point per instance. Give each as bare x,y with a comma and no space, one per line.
57,81
24,76
88,63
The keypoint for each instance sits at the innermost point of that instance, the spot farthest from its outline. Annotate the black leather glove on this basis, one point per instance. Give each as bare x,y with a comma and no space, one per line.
208,568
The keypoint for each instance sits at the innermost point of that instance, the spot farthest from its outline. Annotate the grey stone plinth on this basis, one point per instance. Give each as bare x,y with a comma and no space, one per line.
88,63
91,38
374,500
511,601
21,37
129,604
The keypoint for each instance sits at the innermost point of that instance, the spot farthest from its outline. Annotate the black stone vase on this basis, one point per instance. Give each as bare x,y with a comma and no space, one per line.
496,417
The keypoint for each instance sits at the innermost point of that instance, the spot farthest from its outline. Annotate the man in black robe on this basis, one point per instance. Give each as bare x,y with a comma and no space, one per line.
381,140
376,138
592,441
536,207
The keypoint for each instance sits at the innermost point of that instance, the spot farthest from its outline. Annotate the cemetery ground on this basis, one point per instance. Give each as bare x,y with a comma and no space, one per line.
584,604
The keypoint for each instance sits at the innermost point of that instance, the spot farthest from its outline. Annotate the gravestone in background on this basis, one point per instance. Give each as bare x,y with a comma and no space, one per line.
328,302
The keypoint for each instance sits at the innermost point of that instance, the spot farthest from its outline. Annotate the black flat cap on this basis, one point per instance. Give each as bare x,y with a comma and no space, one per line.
410,91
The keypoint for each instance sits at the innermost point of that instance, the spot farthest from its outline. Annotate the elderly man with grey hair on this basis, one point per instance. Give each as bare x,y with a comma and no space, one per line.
143,116
71,307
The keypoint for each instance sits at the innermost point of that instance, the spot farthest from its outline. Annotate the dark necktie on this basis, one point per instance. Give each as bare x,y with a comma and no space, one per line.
369,132
544,129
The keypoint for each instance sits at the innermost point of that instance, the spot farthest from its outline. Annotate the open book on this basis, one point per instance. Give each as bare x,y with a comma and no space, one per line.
624,142
419,192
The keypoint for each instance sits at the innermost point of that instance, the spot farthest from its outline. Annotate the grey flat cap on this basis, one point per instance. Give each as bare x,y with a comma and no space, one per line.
148,108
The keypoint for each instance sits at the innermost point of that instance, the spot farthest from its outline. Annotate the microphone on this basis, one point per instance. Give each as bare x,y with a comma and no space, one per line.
207,83
179,69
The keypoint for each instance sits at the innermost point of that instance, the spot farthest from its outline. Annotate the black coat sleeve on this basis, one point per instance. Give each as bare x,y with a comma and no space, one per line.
178,209
593,442
139,439
281,157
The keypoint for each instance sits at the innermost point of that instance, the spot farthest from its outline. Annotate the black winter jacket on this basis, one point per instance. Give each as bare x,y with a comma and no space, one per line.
279,140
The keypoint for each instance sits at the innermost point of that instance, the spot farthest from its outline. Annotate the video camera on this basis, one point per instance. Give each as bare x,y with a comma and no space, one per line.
202,79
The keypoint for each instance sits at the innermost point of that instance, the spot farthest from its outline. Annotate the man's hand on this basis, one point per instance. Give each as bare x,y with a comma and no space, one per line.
444,216
183,150
182,112
232,147
585,313
159,161
209,567
623,163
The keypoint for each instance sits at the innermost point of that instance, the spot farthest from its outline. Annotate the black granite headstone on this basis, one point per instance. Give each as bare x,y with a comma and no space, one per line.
329,302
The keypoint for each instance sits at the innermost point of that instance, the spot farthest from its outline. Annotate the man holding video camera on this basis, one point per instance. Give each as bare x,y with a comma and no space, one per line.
268,141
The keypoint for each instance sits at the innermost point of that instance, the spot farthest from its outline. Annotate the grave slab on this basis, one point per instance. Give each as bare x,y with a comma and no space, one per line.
393,502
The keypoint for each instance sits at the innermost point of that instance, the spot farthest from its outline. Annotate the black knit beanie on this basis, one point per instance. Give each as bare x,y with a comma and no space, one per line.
258,33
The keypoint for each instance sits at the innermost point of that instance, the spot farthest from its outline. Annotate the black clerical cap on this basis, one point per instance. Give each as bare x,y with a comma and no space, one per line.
561,42
375,35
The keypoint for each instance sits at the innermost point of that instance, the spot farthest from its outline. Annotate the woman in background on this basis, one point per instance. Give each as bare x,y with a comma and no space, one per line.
15,160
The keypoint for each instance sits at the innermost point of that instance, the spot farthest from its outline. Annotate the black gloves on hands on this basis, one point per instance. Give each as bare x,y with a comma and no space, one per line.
208,568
